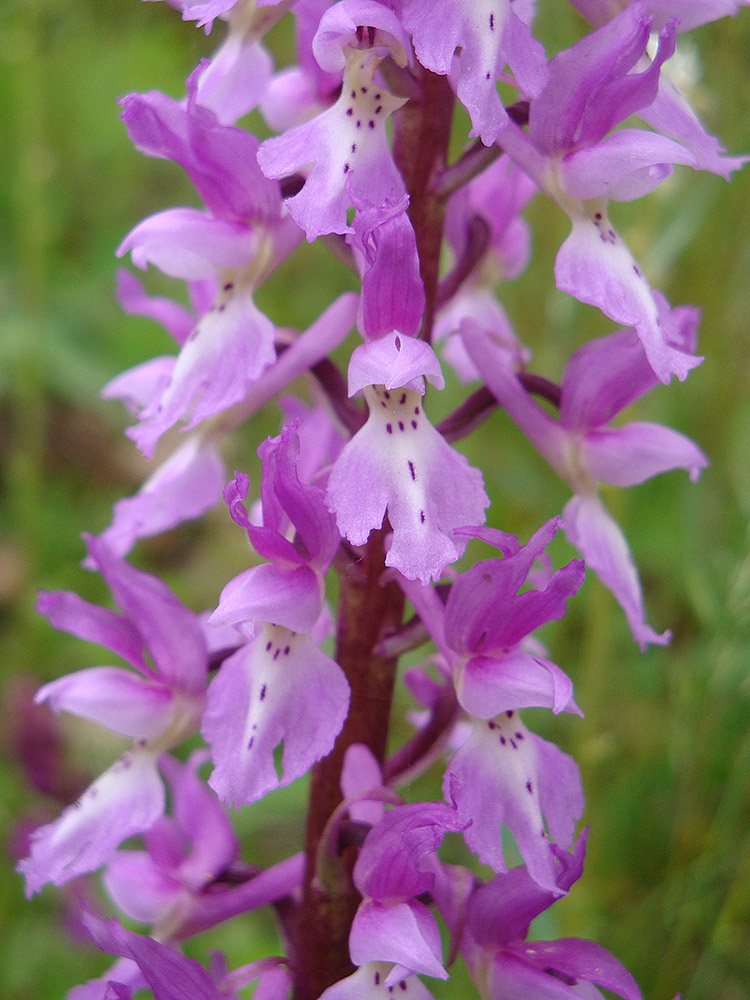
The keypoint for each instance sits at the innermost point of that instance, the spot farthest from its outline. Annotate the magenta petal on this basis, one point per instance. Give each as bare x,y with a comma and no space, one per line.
385,248
368,983
278,688
603,377
400,462
580,959
624,456
289,597
405,933
498,776
512,978
189,244
213,844
138,888
228,350
170,631
502,909
602,544
139,386
220,160
127,799
488,685
398,856
623,166
172,316
596,267
395,361
70,613
118,699
182,488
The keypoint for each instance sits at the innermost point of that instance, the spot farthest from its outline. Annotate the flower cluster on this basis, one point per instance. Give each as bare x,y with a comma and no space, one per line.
362,503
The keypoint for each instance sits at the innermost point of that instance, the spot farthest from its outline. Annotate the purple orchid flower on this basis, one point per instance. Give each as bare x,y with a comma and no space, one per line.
347,144
481,629
510,967
158,706
399,463
234,246
600,379
183,852
398,863
279,686
489,35
571,156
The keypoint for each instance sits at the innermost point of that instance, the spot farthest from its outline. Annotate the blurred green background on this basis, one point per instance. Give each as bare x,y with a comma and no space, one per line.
665,745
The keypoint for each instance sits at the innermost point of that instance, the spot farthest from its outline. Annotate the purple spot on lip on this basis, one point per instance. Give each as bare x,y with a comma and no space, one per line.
411,471
263,691
389,428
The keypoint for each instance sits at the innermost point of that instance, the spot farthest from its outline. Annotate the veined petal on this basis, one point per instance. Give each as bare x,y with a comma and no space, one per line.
505,774
70,613
279,687
405,933
602,544
622,166
187,243
292,597
596,267
118,699
624,456
127,799
489,685
169,630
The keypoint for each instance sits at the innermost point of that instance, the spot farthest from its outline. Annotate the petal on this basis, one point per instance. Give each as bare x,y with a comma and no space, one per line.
348,151
405,933
289,597
189,244
395,362
580,960
487,685
213,844
624,456
170,631
498,777
127,799
174,317
602,544
368,983
183,487
227,351
385,248
118,699
428,488
398,857
70,613
502,909
138,888
596,267
279,688
220,160
623,166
